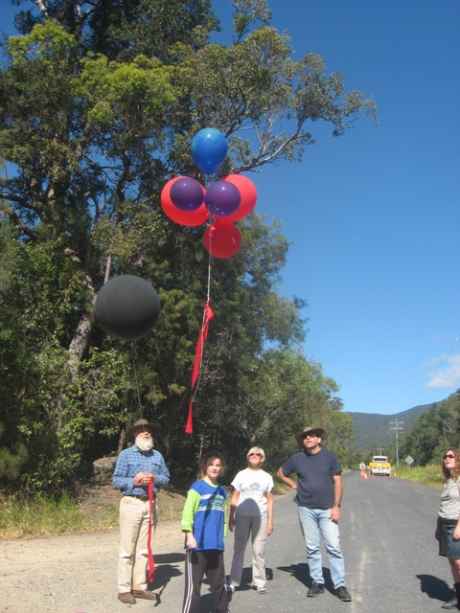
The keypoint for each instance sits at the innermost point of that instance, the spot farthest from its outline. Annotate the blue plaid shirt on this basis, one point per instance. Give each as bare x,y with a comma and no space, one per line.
132,461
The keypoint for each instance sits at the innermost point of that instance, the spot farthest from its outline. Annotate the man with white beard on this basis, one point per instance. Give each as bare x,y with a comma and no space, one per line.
136,466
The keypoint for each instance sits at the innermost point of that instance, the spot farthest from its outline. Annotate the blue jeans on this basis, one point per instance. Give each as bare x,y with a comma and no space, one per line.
314,524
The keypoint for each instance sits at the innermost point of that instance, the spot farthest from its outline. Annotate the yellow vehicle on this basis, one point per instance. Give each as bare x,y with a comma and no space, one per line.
380,465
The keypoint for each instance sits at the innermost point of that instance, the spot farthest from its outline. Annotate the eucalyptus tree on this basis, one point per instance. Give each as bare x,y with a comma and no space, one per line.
98,104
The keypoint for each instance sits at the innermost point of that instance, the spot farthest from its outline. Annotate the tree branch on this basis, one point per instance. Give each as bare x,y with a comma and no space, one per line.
19,224
262,158
42,7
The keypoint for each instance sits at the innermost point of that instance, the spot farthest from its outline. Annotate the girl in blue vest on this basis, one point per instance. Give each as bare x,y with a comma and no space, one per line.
203,522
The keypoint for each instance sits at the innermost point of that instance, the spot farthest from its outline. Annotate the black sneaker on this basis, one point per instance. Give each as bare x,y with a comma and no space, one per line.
315,589
452,603
343,594
230,590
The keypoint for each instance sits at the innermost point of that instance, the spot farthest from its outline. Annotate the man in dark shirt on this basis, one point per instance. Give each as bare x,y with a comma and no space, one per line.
319,498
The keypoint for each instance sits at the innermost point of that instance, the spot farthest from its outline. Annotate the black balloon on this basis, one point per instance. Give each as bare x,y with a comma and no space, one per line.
127,306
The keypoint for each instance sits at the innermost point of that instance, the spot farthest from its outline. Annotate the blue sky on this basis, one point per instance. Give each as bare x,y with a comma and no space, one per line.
373,216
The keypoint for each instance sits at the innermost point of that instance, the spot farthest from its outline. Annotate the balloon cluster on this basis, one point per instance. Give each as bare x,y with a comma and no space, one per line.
186,202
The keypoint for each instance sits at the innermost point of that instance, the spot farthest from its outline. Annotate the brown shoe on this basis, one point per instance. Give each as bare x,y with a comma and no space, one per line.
144,594
126,598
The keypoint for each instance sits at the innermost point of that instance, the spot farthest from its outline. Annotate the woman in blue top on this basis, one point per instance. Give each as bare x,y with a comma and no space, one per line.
203,522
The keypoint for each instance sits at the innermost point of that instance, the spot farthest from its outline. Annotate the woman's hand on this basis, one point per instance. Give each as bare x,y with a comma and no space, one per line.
456,533
269,529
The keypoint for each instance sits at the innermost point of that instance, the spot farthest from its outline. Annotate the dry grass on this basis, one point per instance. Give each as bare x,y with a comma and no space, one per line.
96,511
428,475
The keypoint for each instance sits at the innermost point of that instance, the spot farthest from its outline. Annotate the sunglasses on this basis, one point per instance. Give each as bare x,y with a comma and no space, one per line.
448,455
258,454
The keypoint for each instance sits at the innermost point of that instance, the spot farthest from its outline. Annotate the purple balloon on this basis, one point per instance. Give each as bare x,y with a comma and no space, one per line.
187,194
222,198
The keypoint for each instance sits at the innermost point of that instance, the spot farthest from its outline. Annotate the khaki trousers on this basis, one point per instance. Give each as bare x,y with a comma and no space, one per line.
132,561
247,527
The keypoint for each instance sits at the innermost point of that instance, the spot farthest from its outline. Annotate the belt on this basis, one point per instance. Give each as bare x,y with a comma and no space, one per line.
145,498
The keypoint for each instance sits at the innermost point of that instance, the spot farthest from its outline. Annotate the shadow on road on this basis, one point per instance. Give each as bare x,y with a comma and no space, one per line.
301,573
207,603
169,558
434,588
166,569
246,578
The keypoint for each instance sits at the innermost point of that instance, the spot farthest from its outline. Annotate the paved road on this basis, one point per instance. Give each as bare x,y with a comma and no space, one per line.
387,537
390,554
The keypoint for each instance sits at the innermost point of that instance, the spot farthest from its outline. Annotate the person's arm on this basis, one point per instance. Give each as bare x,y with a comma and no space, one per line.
456,532
269,497
292,484
233,504
191,505
338,494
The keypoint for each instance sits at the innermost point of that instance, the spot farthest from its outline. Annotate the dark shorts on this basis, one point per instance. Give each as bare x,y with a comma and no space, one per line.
448,548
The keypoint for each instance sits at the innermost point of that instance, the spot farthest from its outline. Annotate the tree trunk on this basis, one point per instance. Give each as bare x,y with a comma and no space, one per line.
80,341
121,440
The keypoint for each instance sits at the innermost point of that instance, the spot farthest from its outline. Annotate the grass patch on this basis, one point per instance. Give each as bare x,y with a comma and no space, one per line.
170,504
39,517
42,516
96,511
428,475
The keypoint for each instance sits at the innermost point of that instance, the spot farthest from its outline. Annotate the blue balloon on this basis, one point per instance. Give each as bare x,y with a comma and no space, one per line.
209,148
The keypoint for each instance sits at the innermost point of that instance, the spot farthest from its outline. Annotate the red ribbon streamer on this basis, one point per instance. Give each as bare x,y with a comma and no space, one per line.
150,558
208,314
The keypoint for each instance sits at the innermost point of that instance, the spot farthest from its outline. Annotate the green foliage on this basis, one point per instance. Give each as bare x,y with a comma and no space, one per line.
430,474
12,462
435,431
42,515
127,28
98,104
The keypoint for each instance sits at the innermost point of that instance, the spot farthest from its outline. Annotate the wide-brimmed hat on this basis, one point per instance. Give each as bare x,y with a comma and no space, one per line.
140,426
310,430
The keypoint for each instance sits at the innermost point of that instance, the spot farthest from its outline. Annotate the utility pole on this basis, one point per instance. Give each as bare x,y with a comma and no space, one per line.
397,425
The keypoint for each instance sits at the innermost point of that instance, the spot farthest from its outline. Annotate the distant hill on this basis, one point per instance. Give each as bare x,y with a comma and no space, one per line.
372,430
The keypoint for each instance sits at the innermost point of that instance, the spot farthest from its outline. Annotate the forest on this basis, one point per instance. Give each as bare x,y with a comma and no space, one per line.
98,104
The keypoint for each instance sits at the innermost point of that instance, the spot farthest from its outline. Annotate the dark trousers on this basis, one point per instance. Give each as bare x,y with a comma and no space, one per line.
198,564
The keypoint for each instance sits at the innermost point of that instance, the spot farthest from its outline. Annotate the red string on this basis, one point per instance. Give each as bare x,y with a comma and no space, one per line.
150,558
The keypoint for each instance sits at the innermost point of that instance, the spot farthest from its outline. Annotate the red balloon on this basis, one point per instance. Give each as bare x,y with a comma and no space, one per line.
222,240
192,219
248,196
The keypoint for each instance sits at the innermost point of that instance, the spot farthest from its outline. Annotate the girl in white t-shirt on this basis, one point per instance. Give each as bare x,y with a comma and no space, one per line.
251,516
